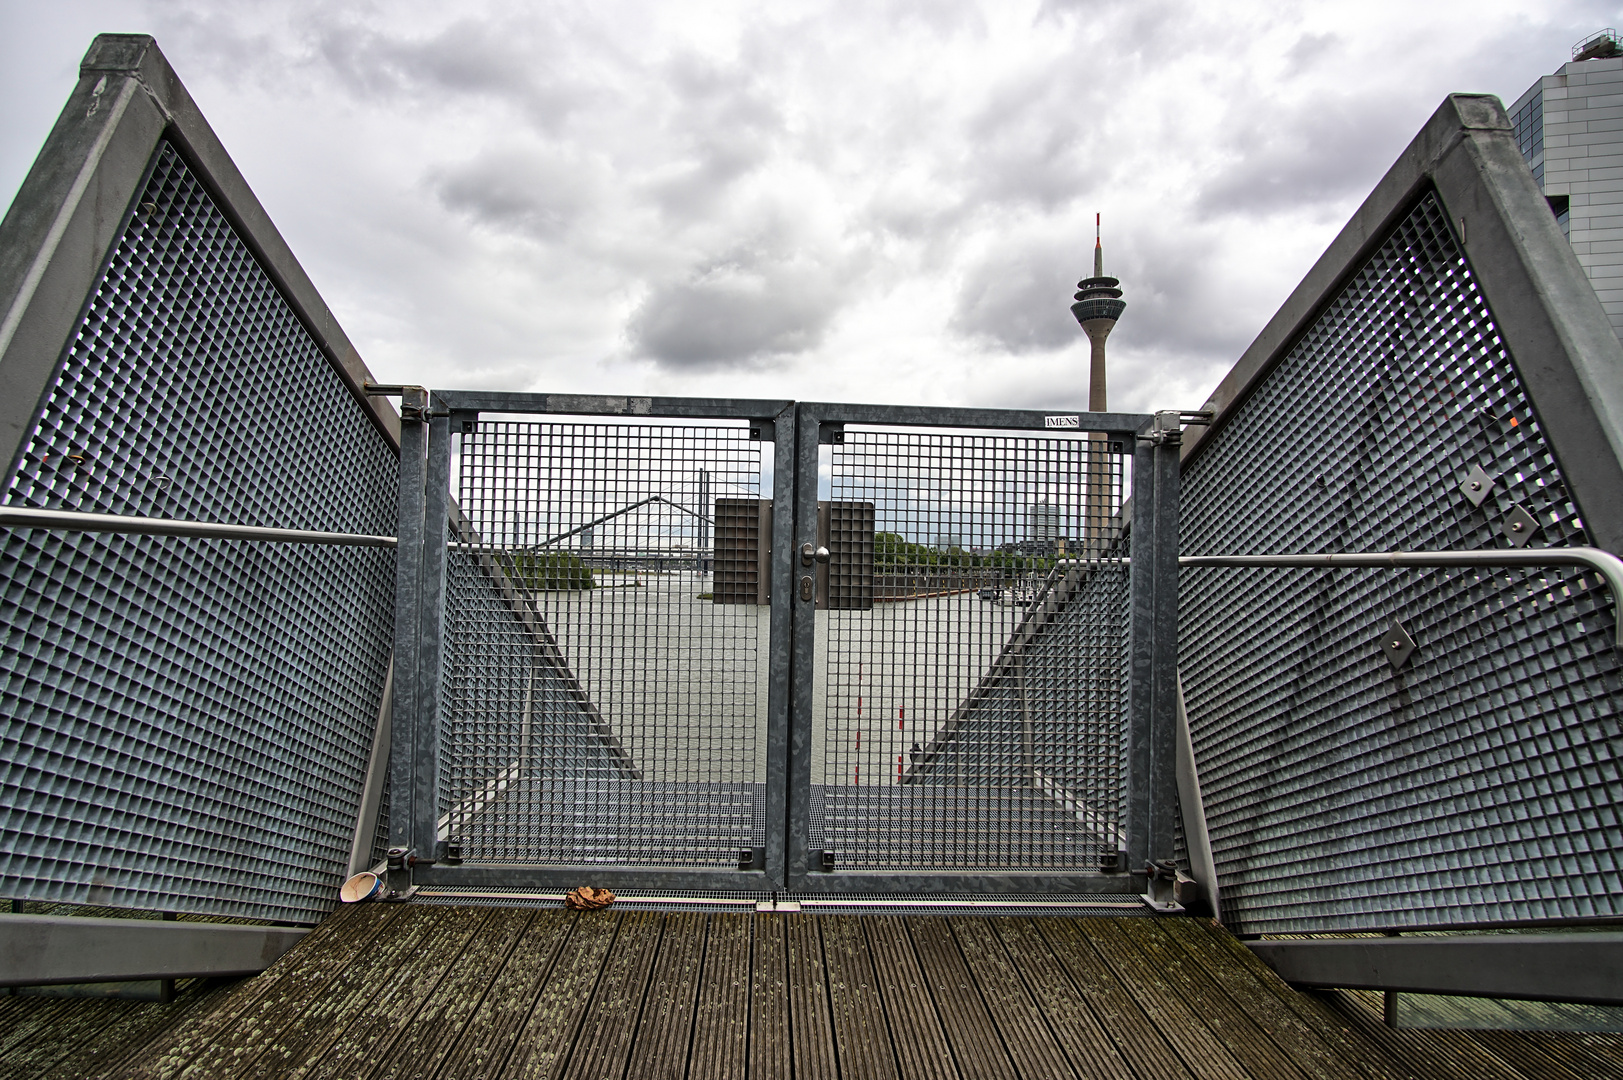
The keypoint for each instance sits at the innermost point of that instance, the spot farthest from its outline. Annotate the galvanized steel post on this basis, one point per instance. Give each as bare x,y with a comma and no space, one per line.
431,640
779,802
801,482
1165,438
1138,752
408,584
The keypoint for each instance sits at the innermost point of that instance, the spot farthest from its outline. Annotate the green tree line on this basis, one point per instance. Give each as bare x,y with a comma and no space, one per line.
894,553
543,571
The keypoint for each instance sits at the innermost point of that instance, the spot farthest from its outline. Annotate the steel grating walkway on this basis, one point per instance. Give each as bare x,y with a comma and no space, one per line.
430,991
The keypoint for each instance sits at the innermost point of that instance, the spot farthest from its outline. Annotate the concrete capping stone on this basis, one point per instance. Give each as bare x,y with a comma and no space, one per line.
1550,319
59,231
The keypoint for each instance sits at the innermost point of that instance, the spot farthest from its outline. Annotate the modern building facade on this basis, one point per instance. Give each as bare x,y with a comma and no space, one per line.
1569,127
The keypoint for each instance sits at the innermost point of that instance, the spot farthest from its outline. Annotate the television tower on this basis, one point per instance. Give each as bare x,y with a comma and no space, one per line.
1098,306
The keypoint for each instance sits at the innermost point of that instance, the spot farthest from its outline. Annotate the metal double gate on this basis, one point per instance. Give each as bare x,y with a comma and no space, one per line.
692,644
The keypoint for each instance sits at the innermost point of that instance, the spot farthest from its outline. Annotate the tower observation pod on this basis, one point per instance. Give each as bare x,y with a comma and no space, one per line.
1098,305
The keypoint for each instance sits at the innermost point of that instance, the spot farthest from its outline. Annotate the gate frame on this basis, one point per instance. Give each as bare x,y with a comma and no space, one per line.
1150,775
428,420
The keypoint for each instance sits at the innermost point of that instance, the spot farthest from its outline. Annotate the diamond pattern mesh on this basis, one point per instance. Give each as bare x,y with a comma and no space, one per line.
185,724
1479,782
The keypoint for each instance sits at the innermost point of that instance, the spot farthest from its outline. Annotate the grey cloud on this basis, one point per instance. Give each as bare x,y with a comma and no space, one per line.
726,125
495,59
735,316
1030,145
1317,153
1019,297
1178,300
1310,51
526,190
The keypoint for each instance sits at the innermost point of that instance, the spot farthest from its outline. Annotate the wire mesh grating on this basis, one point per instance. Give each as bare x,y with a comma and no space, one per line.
603,702
1480,781
186,723
969,712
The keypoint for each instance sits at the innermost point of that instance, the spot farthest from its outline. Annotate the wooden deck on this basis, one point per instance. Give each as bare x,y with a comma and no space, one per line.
396,991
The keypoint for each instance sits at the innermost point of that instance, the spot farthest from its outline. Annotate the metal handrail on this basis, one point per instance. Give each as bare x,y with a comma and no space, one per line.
19,517
1604,563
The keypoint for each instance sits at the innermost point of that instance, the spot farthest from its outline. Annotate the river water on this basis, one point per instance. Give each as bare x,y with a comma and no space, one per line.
683,681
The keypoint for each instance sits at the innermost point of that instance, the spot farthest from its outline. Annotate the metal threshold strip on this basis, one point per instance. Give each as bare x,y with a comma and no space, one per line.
434,893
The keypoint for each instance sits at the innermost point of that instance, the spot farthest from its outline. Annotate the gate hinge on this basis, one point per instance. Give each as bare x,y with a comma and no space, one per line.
1167,427
413,399
1161,888
399,862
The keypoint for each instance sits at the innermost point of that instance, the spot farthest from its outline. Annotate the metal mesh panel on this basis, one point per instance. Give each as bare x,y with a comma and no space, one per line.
600,708
971,717
1478,782
186,723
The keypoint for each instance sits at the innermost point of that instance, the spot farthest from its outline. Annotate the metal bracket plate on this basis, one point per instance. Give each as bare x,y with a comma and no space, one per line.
1519,526
1397,644
1477,485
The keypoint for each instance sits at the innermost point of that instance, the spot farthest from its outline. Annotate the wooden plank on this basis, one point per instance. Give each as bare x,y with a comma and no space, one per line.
488,1037
275,1049
1319,1041
1018,1020
603,1046
771,1052
418,1053
1250,1045
719,1048
362,1037
811,1029
542,1047
260,1003
73,1025
1136,1037
1184,1029
107,1045
922,1052
1532,1056
318,981
1086,1045
665,1032
1436,1055
30,1017
978,1051
861,1036
1599,1051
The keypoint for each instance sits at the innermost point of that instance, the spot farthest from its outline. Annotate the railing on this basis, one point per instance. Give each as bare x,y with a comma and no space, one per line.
1604,563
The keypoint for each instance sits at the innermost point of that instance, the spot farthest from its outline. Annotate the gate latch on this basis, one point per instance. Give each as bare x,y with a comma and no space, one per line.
810,554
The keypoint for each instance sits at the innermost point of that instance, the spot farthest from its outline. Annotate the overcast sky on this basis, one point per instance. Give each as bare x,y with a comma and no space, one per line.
884,201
